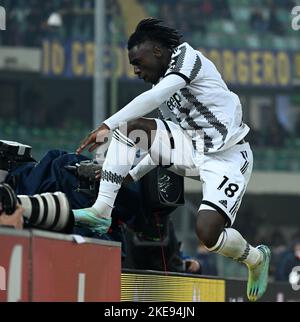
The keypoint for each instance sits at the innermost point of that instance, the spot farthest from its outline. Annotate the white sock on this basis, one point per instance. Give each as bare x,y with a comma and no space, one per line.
232,244
119,160
3,175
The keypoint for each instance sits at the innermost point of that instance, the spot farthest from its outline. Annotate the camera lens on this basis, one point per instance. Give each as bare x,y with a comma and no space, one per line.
49,211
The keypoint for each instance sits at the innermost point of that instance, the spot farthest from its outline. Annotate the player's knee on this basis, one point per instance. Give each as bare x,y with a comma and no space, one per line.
144,124
132,130
134,125
207,236
140,131
130,126
209,226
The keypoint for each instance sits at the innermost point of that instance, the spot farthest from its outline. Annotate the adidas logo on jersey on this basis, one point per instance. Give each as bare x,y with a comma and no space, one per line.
223,202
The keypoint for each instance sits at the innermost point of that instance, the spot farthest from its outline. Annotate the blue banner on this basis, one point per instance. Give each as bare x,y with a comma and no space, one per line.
243,67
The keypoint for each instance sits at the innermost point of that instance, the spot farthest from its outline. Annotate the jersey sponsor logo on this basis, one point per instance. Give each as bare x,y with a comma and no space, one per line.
174,102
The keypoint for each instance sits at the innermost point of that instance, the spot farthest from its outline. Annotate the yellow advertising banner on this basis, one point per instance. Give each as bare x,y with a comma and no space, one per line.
167,288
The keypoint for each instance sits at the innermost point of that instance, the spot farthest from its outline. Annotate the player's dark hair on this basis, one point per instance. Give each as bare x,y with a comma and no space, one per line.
153,29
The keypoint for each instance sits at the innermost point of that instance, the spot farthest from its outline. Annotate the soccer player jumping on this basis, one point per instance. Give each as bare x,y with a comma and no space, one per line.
201,132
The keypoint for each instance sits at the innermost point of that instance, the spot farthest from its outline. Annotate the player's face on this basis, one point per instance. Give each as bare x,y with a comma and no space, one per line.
148,61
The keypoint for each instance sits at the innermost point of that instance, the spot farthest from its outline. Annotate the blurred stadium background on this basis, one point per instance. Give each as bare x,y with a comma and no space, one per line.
48,82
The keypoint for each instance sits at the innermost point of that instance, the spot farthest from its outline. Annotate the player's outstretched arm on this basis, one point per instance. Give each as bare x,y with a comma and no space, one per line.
94,139
140,106
147,102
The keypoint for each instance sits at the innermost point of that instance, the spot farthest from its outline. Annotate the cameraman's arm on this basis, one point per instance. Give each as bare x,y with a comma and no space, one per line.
15,220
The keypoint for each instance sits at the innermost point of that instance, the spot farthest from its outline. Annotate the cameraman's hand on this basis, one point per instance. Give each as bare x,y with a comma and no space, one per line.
15,220
95,139
98,174
192,266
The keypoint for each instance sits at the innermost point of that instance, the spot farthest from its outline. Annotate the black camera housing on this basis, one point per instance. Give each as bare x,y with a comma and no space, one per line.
8,199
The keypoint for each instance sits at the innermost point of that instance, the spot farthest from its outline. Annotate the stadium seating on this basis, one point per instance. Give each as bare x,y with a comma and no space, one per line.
226,24
236,22
43,139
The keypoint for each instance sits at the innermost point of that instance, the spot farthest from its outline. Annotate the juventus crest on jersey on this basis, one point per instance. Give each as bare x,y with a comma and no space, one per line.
205,103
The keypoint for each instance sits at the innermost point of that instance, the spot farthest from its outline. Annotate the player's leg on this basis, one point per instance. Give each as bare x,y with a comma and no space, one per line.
230,243
182,160
155,137
149,134
223,189
120,158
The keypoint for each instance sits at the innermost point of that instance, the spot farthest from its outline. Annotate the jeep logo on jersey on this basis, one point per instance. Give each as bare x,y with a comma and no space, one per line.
174,102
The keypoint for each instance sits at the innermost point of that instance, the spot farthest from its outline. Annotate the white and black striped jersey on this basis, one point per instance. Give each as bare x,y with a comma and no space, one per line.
192,90
205,103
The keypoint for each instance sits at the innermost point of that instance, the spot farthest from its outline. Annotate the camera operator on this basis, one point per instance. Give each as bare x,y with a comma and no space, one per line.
74,175
15,220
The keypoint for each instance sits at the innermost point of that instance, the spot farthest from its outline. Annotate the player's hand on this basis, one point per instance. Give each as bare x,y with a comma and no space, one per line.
95,139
